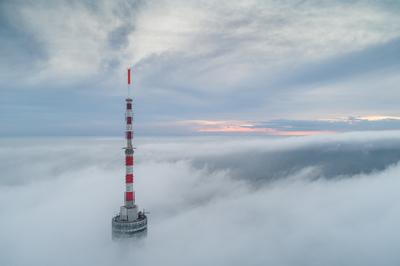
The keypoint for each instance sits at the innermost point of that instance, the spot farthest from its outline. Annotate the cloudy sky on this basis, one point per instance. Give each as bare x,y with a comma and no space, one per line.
236,78
201,67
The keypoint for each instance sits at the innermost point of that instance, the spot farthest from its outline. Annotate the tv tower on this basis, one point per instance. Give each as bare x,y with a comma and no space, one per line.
130,221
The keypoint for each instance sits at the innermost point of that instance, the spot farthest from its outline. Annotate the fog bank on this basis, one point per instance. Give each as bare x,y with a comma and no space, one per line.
327,200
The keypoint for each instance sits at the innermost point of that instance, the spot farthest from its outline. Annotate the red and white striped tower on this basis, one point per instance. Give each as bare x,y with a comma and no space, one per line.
129,159
130,221
129,212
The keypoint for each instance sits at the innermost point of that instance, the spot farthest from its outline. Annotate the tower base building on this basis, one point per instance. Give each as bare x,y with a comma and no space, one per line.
129,223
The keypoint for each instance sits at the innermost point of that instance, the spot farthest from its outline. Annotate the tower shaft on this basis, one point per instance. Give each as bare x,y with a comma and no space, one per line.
129,158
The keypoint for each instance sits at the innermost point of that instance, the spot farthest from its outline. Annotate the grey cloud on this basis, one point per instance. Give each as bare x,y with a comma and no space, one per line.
34,154
378,58
118,38
19,49
176,82
325,160
344,125
260,161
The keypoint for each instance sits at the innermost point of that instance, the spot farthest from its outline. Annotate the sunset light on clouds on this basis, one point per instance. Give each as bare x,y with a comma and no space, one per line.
244,127
292,127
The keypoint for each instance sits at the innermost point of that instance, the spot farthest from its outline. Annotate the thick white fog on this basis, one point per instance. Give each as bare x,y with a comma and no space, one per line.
327,200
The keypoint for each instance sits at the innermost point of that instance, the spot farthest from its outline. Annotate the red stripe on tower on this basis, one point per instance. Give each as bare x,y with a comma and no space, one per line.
129,76
129,178
130,196
129,160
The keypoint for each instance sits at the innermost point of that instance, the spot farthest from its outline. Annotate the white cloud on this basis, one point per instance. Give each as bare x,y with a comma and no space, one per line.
363,95
199,215
244,35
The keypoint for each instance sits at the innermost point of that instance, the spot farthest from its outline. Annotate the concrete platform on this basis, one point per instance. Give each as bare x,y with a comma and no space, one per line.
127,229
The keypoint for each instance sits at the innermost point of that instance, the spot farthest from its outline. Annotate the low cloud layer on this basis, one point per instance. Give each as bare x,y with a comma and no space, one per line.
321,200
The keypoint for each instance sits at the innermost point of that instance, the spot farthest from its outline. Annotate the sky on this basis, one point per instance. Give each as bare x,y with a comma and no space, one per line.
200,67
312,200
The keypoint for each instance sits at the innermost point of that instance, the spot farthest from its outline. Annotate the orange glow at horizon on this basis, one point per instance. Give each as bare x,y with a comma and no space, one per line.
370,118
229,126
379,117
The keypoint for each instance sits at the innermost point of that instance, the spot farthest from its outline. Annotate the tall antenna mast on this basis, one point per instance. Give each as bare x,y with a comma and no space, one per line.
129,192
129,222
